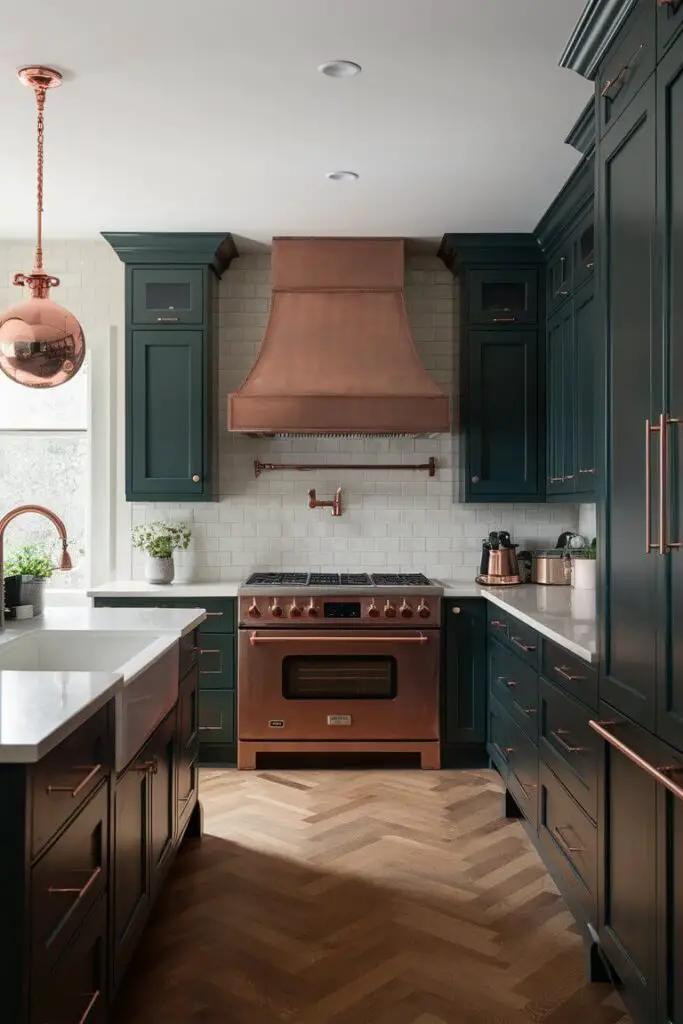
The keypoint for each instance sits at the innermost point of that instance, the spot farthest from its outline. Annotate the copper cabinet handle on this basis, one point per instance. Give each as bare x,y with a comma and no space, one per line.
650,545
80,893
75,790
569,476
673,6
529,711
562,671
618,79
256,639
168,319
558,734
664,543
556,479
212,728
518,642
147,766
590,265
510,683
558,830
505,319
214,615
508,750
587,471
498,624
658,774
93,999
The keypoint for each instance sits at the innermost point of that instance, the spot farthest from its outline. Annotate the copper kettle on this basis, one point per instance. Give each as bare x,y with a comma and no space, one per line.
499,555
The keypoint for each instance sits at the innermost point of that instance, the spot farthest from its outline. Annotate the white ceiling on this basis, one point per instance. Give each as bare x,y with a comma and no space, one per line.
211,115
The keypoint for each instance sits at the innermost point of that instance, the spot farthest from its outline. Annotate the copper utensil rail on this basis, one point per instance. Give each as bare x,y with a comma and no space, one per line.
656,773
269,467
256,639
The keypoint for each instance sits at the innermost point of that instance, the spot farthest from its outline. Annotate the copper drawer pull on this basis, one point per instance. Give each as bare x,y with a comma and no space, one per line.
562,671
147,766
510,683
618,79
518,642
92,772
256,639
558,829
168,319
586,471
656,773
498,624
93,999
80,893
212,728
558,734
529,711
505,319
214,615
556,479
589,265
508,750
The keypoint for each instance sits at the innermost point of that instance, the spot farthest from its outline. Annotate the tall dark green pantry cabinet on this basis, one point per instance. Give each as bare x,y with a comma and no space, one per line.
633,50
170,362
502,410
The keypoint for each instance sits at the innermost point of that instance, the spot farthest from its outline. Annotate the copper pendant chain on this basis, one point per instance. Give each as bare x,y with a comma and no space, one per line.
40,101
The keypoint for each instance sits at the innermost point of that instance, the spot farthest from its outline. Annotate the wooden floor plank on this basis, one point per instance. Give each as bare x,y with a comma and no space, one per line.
360,897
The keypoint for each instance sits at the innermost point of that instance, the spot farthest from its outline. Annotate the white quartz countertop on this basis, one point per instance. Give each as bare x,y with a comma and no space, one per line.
39,709
563,614
139,588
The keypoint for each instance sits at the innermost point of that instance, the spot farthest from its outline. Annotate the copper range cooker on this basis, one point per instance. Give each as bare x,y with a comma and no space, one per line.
332,663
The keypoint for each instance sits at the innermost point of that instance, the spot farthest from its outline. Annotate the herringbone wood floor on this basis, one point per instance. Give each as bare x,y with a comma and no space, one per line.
360,897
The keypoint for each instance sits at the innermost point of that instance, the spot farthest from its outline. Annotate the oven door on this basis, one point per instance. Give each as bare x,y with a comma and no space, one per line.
338,684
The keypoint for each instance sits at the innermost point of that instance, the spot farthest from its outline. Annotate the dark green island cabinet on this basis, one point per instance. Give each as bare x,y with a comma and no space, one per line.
217,669
85,851
502,408
171,365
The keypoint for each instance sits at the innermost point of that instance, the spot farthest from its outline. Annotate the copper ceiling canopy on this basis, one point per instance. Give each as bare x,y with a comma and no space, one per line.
337,356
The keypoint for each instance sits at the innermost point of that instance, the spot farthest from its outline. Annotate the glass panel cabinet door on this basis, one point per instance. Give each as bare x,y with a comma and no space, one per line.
500,297
167,295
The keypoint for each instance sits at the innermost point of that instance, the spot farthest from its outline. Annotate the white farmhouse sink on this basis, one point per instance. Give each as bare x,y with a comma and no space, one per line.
147,662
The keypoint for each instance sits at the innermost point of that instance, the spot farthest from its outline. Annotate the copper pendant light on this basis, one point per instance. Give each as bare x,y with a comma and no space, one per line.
41,343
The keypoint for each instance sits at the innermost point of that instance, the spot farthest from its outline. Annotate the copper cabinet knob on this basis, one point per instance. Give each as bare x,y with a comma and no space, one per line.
196,478
456,610
294,611
405,610
390,610
254,611
475,479
276,610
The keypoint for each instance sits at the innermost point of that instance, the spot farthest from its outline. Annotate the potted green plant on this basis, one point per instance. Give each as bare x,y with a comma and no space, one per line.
583,567
159,541
30,565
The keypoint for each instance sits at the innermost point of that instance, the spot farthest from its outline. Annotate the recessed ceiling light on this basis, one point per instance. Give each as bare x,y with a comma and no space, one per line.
342,175
340,68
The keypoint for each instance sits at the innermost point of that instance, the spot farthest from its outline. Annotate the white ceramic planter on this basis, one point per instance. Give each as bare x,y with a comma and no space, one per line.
159,570
583,573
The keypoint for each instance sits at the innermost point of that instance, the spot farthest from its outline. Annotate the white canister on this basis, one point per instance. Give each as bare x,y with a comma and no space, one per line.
583,573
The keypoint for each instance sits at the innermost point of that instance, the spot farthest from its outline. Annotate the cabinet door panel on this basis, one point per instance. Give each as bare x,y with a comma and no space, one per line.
465,672
669,22
670,901
627,211
670,193
506,296
167,295
503,414
188,746
217,661
131,864
584,251
585,340
161,752
498,741
217,717
627,827
165,444
560,403
559,277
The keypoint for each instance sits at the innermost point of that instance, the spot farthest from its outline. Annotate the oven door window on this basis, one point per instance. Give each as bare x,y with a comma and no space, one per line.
338,677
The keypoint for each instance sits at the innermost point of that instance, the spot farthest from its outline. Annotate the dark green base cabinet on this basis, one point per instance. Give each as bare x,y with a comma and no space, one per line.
463,687
217,662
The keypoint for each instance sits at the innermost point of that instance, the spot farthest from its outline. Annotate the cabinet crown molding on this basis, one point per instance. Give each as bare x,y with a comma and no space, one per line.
489,250
597,27
206,248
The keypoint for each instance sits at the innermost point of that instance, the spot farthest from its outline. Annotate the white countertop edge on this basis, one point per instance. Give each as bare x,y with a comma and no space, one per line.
115,620
30,753
139,588
541,627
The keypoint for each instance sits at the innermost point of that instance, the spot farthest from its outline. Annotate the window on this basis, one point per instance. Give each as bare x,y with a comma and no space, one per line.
44,460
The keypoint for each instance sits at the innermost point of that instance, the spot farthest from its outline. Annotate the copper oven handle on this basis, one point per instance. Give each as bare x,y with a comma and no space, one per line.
256,639
75,790
649,545
93,999
558,830
80,893
656,773
518,642
561,671
558,734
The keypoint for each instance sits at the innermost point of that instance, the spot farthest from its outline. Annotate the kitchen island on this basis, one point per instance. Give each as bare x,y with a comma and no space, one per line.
98,787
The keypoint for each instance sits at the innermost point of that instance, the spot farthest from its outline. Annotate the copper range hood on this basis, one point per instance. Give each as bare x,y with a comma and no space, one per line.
337,356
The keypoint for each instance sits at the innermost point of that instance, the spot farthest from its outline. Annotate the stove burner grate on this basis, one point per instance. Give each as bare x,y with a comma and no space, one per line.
400,579
278,579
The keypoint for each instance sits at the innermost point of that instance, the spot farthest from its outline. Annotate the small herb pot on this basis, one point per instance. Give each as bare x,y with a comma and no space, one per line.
32,591
159,570
583,573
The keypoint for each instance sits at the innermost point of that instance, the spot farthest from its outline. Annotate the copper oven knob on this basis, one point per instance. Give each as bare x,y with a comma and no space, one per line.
390,610
423,610
405,610
254,611
373,610
294,611
276,609
312,609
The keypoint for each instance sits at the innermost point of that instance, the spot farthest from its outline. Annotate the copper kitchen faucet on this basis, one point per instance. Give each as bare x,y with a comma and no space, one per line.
335,504
65,561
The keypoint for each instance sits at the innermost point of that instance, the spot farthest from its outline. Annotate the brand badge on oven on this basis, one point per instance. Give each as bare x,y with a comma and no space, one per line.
276,723
339,719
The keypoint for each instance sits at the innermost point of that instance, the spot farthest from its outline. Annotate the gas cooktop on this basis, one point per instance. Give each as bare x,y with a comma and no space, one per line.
335,579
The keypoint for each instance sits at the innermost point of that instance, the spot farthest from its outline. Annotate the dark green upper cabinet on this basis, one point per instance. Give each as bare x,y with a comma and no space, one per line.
167,295
170,362
507,296
628,65
583,251
585,368
669,23
560,276
501,365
